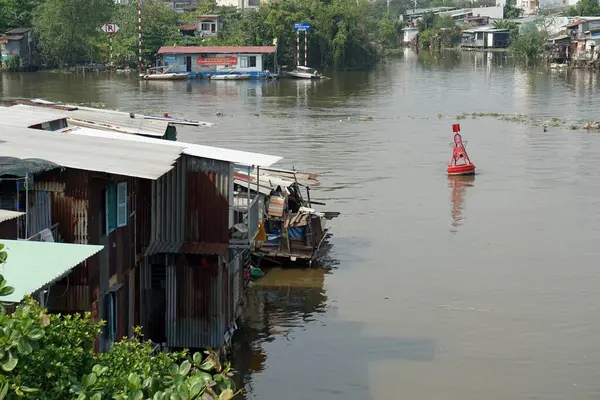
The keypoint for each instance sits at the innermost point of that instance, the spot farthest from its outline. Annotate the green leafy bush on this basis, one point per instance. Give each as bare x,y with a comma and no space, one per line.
45,356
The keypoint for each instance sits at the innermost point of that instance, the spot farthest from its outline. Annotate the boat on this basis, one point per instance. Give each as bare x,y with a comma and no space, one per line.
305,73
164,76
230,77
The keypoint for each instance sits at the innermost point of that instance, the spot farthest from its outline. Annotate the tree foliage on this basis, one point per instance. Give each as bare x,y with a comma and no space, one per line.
17,13
344,33
160,28
69,29
438,31
511,10
50,357
529,44
587,8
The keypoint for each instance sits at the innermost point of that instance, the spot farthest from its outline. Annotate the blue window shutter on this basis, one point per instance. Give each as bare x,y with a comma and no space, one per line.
110,198
121,204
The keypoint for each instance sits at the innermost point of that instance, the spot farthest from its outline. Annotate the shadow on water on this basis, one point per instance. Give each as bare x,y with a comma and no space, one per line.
281,342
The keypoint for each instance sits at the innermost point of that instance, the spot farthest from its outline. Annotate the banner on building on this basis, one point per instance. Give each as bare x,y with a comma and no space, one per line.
216,61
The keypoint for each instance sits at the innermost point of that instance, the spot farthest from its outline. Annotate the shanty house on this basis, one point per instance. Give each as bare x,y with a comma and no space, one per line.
18,43
204,61
85,193
196,245
179,237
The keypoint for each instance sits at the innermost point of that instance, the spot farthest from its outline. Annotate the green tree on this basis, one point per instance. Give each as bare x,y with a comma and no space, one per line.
529,45
511,10
69,29
160,28
17,13
587,8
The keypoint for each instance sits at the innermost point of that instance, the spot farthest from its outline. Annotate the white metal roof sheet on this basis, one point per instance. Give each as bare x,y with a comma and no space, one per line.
196,150
6,215
127,158
24,118
106,119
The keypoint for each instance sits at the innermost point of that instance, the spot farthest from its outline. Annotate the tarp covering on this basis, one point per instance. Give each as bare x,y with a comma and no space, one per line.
12,166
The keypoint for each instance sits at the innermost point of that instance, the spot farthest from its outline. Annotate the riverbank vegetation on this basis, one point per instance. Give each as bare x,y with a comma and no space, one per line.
344,33
47,357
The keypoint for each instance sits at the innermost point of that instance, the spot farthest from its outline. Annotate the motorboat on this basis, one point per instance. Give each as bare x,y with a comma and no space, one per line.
305,73
172,76
164,76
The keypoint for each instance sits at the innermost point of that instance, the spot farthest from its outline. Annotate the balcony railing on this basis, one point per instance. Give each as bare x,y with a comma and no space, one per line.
245,220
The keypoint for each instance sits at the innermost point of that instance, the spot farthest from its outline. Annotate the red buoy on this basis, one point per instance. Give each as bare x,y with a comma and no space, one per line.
460,164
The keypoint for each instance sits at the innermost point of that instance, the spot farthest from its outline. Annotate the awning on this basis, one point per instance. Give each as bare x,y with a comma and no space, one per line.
6,215
32,266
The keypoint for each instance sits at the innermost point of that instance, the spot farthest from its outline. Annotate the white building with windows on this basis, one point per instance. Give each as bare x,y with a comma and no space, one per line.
243,4
204,61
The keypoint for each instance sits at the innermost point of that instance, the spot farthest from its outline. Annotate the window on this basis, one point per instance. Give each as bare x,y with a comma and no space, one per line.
247,62
205,26
115,206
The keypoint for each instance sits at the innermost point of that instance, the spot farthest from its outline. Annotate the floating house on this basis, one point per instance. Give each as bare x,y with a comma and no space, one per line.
163,212
203,62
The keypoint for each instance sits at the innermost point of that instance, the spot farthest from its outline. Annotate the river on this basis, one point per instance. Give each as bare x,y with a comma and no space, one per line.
435,288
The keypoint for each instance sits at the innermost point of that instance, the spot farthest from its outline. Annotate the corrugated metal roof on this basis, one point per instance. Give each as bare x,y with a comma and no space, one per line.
216,50
25,118
5,215
127,158
18,31
106,120
12,37
33,265
195,150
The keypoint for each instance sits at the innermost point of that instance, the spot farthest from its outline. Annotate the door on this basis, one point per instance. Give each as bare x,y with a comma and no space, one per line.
188,64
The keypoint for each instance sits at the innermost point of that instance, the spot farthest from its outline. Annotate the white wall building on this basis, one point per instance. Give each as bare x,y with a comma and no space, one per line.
243,4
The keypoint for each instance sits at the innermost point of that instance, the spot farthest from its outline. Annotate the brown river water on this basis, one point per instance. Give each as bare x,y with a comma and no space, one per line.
486,288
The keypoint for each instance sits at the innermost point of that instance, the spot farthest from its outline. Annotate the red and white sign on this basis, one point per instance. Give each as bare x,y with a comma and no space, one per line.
216,61
110,28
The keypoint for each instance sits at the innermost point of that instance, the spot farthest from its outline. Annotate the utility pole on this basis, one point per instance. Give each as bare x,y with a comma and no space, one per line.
140,62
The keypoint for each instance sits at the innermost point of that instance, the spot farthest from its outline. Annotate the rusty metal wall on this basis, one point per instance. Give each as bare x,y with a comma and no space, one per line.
207,202
195,305
190,204
168,211
39,213
143,215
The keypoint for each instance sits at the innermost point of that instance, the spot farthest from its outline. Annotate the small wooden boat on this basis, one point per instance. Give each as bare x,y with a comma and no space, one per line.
305,73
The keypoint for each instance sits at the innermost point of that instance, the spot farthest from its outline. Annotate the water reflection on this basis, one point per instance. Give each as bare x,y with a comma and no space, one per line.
291,345
458,188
